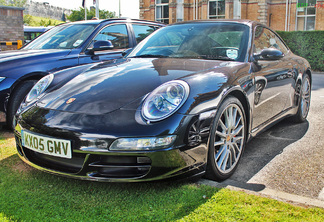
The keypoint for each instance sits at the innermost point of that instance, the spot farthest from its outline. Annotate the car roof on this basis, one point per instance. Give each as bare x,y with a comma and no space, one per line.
98,21
35,29
238,21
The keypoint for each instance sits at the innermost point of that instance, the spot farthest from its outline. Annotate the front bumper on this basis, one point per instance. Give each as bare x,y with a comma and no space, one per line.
180,160
121,167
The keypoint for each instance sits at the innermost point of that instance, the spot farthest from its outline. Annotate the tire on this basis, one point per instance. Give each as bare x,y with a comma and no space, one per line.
227,140
15,100
303,101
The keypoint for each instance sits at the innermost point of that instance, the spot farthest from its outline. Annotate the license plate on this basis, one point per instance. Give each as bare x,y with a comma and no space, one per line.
46,145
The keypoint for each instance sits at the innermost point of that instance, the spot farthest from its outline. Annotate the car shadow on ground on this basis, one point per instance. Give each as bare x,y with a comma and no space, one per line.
262,149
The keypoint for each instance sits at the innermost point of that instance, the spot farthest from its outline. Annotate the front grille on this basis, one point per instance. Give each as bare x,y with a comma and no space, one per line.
120,167
72,165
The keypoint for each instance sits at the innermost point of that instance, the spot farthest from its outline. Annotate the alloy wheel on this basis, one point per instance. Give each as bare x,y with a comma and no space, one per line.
229,138
305,97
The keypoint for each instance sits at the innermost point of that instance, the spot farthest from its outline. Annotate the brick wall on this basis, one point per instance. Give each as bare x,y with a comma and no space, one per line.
319,22
11,26
268,12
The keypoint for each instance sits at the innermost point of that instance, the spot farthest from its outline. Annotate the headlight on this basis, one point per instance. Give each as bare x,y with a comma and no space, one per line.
140,144
165,100
39,88
2,78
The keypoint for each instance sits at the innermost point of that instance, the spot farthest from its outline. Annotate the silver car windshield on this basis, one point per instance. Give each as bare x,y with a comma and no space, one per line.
203,40
62,37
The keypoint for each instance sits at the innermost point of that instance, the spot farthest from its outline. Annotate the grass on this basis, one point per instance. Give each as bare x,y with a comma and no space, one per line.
27,194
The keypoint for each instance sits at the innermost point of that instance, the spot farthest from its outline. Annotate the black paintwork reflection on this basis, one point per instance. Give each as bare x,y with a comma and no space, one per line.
273,85
110,86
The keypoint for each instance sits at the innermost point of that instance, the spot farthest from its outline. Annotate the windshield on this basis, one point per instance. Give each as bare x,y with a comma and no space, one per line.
62,37
203,40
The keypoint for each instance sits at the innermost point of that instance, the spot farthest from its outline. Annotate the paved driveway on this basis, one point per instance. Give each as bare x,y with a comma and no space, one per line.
288,157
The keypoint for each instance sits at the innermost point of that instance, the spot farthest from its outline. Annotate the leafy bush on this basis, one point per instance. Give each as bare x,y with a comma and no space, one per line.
307,44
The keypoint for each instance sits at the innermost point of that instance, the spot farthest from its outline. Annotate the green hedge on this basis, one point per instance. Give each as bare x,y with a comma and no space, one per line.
307,44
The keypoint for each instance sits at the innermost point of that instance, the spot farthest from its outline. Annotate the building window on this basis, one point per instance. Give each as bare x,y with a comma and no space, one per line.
162,11
216,9
306,12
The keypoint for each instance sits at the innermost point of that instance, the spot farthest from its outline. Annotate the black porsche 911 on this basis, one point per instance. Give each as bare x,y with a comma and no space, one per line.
183,103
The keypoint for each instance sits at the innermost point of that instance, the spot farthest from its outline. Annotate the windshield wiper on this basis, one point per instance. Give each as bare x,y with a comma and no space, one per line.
150,56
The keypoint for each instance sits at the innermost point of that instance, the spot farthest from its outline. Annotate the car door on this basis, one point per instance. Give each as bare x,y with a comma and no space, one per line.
118,35
272,78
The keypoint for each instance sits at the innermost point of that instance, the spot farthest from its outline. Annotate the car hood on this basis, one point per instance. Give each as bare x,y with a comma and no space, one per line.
109,86
22,54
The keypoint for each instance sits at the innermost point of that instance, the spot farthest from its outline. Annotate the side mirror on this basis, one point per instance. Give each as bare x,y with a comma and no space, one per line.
101,46
126,52
269,54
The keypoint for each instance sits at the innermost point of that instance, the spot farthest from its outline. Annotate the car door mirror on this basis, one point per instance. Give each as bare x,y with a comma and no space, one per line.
101,45
126,52
268,54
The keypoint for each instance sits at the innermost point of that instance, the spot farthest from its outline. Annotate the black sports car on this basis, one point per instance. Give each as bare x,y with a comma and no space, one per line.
183,103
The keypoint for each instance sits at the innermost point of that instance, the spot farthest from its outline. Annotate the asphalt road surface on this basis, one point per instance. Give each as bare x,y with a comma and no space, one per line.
288,157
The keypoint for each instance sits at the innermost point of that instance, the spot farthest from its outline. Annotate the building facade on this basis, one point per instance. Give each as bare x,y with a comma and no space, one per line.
284,15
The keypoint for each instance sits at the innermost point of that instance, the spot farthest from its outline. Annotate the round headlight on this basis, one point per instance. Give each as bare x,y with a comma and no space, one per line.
39,88
165,100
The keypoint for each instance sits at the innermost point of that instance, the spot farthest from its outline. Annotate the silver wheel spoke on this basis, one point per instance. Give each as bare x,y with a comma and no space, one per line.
223,135
238,122
234,118
227,118
222,156
236,148
219,143
237,138
222,125
220,151
238,130
233,151
194,128
225,160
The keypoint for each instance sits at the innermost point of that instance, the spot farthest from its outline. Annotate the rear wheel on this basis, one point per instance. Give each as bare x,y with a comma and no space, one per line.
16,98
227,140
304,101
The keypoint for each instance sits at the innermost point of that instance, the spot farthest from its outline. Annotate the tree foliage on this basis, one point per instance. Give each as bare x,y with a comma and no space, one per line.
78,15
16,3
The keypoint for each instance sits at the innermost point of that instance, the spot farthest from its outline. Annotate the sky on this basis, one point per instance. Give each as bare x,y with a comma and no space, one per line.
129,8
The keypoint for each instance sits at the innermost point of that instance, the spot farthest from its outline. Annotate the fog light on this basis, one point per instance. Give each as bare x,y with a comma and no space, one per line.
149,143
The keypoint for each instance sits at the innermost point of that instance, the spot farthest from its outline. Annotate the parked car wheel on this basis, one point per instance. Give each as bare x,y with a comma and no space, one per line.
17,97
304,100
227,140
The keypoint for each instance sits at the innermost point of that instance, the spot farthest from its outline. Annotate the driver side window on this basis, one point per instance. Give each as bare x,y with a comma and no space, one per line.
264,38
117,34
